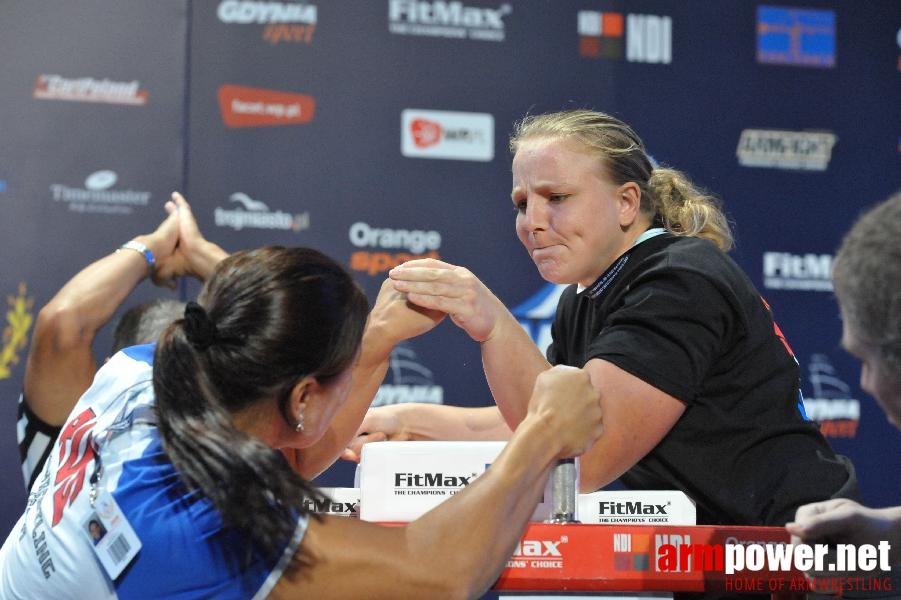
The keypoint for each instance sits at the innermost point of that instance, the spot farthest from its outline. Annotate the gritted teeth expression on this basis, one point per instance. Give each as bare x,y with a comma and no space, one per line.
567,213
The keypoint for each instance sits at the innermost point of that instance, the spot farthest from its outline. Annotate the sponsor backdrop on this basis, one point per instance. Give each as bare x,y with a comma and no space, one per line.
377,132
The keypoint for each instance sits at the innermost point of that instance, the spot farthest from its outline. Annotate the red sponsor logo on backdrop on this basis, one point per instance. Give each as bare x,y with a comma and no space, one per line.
425,133
243,106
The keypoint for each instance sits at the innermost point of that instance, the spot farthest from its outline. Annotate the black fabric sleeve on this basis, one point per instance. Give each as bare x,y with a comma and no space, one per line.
672,325
35,439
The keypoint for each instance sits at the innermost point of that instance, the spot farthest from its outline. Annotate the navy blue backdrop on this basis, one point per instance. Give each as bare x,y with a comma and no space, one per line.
377,131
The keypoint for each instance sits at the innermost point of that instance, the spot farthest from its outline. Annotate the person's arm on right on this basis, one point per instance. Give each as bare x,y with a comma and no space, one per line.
458,549
843,521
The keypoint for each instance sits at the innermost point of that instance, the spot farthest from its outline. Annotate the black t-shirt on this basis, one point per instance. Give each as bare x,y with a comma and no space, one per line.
679,314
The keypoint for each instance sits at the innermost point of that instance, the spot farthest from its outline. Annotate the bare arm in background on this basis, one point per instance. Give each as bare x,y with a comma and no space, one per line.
61,363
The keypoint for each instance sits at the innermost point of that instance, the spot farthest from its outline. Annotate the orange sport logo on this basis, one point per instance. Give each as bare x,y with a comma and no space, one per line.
390,247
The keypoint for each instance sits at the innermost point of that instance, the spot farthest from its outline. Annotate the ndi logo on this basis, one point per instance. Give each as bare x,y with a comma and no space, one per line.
631,552
647,38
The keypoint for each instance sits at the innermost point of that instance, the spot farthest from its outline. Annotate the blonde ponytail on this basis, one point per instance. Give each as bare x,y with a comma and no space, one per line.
687,210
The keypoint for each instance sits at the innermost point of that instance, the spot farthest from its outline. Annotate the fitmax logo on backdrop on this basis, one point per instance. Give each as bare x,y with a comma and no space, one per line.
799,272
289,22
453,20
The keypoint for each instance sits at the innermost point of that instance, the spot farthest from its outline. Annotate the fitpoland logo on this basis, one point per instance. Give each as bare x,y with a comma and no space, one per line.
89,89
243,106
447,135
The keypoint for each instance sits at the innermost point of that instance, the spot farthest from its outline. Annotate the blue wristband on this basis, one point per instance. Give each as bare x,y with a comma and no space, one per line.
144,250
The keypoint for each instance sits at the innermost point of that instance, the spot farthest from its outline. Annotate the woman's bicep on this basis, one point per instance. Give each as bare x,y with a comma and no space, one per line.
637,416
342,557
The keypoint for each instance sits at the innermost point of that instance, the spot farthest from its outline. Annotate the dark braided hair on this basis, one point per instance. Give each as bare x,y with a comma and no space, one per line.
264,320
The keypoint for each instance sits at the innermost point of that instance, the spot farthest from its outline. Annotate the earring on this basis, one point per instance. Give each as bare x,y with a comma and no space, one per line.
299,427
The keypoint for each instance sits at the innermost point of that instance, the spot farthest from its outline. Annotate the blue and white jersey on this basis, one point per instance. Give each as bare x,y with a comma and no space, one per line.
184,551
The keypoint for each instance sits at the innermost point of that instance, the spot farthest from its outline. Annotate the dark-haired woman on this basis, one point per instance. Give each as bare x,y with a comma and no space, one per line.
175,447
